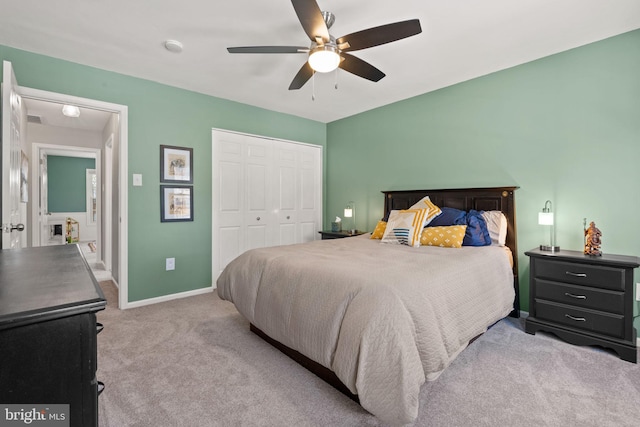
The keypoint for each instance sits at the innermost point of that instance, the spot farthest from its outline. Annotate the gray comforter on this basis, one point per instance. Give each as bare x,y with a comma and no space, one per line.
383,317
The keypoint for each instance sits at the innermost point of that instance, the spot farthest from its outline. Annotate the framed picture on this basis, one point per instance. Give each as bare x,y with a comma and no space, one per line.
176,164
176,203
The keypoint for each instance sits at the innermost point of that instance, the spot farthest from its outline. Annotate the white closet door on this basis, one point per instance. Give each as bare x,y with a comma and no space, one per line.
265,193
284,183
258,212
227,200
309,197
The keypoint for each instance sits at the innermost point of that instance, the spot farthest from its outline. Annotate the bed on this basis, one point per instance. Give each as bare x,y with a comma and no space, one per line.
377,320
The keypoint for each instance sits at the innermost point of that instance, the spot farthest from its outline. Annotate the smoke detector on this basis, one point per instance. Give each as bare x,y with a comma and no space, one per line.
173,46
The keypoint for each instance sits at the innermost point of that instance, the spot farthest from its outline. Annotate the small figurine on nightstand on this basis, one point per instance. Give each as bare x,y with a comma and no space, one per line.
592,239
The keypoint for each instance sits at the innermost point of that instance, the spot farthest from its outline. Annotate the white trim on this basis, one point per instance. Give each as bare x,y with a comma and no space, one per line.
89,173
170,297
267,137
123,250
123,163
54,150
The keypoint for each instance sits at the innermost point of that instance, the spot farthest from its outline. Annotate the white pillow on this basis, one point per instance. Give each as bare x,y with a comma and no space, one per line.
497,226
404,227
426,203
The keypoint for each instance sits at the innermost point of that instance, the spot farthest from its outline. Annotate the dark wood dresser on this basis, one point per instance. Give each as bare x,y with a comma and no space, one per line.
584,300
48,331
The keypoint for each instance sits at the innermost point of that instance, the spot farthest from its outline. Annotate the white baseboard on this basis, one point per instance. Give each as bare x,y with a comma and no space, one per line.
165,298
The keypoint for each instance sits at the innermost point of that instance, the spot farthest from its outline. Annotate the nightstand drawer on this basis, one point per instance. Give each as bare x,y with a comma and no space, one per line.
584,319
581,274
581,296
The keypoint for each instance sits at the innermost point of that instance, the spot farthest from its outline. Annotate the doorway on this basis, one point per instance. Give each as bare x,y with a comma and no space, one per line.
111,154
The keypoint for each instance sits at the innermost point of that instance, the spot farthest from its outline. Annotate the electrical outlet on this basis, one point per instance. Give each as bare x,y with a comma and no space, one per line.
171,264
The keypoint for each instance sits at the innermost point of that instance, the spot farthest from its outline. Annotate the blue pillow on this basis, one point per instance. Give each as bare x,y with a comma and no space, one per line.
477,233
449,216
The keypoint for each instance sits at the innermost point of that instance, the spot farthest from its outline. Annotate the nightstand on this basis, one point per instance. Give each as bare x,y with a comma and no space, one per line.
584,300
327,235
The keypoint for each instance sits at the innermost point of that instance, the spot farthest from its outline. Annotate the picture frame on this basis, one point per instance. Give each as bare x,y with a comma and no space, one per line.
176,203
176,164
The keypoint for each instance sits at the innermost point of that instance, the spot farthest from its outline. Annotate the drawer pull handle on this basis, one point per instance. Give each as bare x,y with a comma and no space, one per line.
576,274
577,319
575,296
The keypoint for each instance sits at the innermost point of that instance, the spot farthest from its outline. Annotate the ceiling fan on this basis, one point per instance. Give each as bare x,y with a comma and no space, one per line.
326,53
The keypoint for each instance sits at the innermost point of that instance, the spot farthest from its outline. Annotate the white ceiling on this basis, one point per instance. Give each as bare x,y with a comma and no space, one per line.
461,39
50,114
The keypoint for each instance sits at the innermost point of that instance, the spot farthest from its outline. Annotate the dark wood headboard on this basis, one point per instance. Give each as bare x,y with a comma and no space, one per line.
480,199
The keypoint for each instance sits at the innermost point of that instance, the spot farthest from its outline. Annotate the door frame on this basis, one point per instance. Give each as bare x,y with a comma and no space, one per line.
67,151
123,163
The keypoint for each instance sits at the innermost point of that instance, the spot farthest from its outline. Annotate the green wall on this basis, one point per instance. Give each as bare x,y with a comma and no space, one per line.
66,183
564,128
160,114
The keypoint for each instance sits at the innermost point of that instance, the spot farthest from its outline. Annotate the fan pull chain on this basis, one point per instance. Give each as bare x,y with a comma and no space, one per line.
336,86
313,86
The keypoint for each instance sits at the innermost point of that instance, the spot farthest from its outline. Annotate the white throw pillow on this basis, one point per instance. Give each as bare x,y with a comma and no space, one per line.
426,203
497,226
404,227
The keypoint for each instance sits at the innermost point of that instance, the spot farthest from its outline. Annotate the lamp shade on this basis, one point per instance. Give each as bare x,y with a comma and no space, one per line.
348,212
545,218
324,59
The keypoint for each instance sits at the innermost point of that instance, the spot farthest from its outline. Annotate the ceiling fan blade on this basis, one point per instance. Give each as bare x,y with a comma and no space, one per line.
310,17
360,68
380,35
268,49
305,73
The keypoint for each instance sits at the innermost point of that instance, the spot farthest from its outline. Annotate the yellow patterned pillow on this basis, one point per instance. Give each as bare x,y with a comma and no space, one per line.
426,203
445,237
404,227
379,230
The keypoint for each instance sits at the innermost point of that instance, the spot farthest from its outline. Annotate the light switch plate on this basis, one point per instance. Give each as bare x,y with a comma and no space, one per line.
137,180
170,264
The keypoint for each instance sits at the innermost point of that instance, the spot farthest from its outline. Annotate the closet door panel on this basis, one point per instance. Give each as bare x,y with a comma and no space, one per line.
259,219
284,185
309,193
228,204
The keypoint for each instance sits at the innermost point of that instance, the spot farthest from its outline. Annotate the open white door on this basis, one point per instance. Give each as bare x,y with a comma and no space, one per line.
13,116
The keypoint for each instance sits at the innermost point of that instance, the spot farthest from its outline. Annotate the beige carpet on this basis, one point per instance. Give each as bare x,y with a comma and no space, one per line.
193,362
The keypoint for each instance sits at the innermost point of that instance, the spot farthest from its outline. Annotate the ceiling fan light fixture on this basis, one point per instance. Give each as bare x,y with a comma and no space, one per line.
70,111
325,58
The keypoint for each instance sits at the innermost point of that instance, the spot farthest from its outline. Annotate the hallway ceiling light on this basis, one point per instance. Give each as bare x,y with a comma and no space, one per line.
71,111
